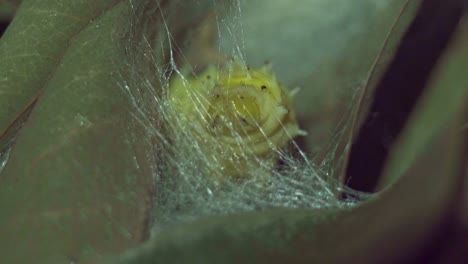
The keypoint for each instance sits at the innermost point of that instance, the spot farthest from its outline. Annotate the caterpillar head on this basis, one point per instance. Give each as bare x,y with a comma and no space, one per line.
243,115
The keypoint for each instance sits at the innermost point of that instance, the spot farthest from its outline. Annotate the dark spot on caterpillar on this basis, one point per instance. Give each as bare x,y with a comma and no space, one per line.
242,97
217,95
244,121
264,87
208,77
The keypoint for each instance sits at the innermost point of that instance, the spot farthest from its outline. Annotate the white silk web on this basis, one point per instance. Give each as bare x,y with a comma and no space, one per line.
176,39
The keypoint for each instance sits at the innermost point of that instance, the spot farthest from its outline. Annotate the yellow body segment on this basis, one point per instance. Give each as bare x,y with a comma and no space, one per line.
241,116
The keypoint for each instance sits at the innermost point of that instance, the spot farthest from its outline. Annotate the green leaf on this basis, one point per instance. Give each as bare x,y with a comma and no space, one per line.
74,187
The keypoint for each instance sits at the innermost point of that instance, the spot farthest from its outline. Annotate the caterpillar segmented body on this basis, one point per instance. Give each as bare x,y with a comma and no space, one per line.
241,116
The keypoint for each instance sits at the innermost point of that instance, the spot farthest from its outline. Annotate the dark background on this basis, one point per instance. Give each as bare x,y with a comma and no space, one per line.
399,89
3,26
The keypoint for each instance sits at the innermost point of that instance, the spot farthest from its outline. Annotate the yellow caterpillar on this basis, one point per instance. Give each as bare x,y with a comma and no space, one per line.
239,116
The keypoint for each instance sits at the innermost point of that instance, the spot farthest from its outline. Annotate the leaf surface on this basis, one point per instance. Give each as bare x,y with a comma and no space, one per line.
73,188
